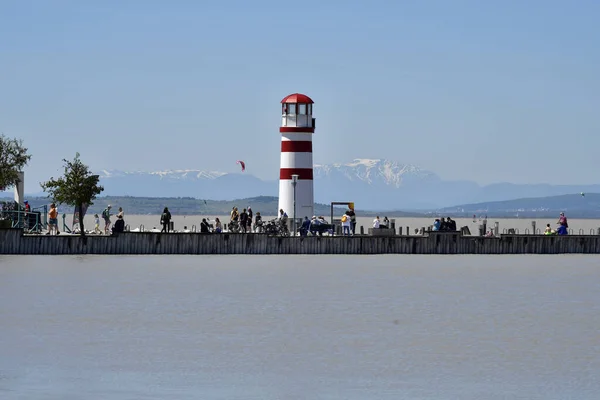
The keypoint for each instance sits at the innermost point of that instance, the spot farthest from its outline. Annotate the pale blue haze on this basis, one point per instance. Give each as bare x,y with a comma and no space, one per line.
485,91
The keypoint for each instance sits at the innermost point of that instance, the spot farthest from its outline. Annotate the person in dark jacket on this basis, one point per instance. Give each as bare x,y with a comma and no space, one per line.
250,215
119,225
243,221
443,225
165,220
350,213
451,224
204,227
305,227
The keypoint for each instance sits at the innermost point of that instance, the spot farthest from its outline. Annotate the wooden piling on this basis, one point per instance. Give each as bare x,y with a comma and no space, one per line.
13,241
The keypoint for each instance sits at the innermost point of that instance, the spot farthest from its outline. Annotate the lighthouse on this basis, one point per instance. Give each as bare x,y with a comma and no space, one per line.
296,167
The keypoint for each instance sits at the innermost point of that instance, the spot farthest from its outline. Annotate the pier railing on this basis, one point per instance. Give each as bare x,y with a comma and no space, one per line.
14,241
33,221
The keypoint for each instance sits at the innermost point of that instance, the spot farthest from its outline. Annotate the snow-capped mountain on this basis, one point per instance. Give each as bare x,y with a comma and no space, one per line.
370,183
354,181
374,171
169,174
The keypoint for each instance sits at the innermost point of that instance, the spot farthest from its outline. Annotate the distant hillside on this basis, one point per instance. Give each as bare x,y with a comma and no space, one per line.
372,184
266,205
575,205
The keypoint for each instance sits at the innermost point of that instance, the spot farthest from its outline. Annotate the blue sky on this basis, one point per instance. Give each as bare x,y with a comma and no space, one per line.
484,91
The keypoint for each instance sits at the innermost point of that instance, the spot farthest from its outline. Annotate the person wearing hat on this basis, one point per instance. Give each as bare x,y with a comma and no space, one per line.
106,218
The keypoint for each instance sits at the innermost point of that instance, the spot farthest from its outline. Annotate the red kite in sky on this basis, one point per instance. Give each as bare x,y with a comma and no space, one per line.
243,164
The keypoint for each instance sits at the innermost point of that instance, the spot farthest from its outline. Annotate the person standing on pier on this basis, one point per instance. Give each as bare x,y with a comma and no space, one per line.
345,224
165,220
234,216
243,221
106,218
53,220
352,216
258,222
451,224
562,220
249,220
97,224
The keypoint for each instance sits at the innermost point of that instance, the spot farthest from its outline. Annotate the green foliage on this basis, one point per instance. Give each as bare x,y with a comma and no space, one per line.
13,157
77,187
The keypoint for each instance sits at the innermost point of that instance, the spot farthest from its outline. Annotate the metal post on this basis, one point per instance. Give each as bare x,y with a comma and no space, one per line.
294,183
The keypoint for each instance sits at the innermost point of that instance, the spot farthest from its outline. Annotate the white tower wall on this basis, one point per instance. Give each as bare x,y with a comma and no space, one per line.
301,164
296,157
20,189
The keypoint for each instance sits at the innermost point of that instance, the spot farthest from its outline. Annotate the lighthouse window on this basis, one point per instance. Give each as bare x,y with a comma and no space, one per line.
310,109
291,109
302,109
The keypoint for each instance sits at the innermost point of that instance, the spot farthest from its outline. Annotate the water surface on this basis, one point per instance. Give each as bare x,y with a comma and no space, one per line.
300,327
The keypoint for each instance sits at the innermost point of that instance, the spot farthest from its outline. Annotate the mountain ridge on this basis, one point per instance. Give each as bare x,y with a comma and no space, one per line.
575,205
376,184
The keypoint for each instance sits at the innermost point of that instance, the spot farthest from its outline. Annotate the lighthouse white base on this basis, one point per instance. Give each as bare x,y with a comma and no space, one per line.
304,198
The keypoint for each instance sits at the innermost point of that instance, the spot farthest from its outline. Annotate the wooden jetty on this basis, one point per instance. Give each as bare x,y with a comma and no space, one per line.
14,241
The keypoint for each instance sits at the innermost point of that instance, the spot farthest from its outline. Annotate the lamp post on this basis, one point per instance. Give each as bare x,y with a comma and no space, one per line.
294,183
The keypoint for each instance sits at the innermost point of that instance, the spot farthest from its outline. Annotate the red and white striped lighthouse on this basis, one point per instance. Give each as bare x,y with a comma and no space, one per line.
297,128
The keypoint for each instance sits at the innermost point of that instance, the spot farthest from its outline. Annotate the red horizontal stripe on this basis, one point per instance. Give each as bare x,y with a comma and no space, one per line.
296,129
303,173
289,146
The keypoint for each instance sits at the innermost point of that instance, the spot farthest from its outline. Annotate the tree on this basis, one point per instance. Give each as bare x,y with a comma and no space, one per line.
13,157
77,187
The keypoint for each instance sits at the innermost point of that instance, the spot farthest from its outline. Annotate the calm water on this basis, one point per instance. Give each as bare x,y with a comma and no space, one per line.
297,327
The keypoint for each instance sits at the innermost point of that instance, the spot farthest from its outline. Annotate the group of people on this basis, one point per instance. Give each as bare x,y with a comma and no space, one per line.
444,225
563,226
119,225
243,221
378,224
315,225
349,223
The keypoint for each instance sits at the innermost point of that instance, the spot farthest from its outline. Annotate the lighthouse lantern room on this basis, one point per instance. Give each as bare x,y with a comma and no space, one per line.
297,128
